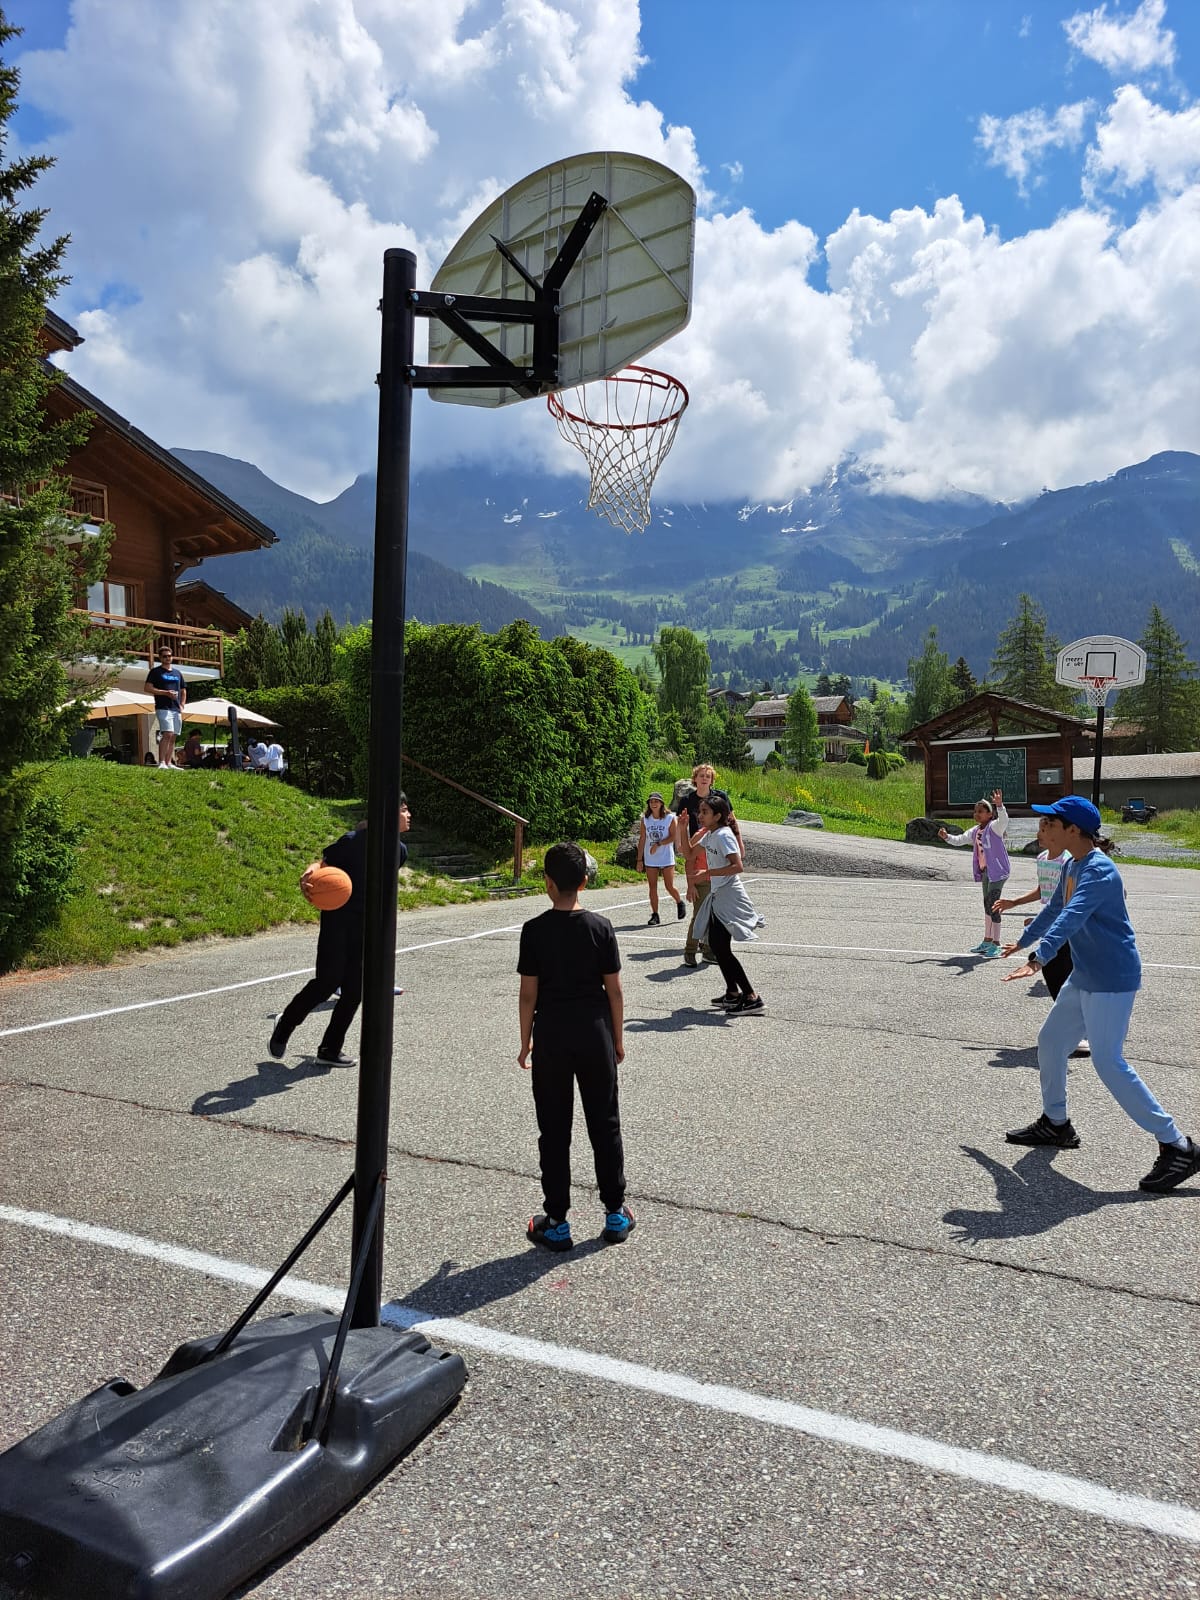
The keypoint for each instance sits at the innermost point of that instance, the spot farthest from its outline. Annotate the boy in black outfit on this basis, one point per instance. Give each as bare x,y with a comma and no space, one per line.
571,990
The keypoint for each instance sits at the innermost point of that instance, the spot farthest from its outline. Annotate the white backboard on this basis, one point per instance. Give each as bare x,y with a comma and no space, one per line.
1102,655
630,289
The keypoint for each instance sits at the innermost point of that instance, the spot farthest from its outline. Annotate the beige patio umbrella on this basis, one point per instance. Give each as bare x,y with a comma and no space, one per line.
116,703
216,710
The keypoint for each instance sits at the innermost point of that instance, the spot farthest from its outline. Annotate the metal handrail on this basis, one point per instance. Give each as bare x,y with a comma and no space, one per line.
520,823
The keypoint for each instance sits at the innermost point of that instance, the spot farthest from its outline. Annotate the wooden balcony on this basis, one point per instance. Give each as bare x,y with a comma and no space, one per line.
191,647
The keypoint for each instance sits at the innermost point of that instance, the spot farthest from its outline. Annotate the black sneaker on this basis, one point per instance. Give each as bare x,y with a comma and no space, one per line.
277,1044
653,922
680,911
1173,1167
618,1225
334,1058
544,1230
1043,1131
725,999
744,1003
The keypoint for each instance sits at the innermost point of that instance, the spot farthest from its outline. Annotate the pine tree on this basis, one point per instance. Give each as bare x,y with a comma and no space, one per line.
962,681
1167,704
802,747
41,577
1023,665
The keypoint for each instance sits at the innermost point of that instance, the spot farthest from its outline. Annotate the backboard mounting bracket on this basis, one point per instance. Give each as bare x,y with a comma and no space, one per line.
457,312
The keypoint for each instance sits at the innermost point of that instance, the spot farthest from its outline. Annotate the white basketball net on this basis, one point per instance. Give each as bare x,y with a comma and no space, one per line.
623,426
1097,690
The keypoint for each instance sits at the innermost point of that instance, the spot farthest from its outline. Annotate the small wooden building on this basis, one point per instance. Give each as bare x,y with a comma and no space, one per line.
993,742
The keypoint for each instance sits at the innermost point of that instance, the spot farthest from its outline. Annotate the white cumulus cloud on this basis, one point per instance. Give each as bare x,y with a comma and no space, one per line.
1139,142
1136,43
1019,143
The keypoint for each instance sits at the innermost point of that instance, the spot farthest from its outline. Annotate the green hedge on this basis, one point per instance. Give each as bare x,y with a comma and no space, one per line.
315,732
37,863
552,729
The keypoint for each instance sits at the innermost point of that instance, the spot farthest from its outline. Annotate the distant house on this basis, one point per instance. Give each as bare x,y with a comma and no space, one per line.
765,723
994,742
167,519
731,699
1166,780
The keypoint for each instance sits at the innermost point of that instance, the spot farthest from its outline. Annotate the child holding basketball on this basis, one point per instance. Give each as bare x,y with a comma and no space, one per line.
339,952
572,1018
656,853
1088,908
989,863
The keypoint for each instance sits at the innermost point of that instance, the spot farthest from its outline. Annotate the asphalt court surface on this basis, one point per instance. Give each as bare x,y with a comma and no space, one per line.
830,1226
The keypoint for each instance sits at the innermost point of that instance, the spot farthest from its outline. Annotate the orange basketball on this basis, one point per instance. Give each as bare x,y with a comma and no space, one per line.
327,888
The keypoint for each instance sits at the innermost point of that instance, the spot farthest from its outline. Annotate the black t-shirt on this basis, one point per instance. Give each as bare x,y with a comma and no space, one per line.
167,684
569,953
691,803
344,927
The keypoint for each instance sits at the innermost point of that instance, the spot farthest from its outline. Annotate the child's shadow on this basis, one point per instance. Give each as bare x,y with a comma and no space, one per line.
270,1077
964,964
1033,1196
452,1291
1007,1055
678,1021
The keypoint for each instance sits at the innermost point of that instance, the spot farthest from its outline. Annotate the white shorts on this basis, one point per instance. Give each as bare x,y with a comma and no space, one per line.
170,721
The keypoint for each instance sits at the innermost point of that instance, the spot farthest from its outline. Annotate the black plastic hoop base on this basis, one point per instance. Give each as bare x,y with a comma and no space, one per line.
186,1488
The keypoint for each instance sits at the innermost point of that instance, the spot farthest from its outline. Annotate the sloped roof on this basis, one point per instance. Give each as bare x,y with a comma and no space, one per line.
1169,764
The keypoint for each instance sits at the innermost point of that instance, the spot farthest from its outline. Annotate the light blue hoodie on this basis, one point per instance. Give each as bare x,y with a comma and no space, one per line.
1088,911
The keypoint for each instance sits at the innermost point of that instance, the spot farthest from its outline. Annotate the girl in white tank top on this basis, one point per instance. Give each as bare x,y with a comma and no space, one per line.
656,853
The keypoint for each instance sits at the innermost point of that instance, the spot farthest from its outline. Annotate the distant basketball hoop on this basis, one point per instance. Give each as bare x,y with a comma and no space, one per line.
624,428
1094,667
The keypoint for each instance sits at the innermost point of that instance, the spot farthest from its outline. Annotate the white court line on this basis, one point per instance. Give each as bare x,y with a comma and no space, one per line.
886,950
226,988
1015,1477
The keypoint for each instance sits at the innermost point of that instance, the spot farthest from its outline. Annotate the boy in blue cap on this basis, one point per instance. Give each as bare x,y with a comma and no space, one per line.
1088,910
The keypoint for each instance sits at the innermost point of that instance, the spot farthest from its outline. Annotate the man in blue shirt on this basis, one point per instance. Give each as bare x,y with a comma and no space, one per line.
165,682
1088,910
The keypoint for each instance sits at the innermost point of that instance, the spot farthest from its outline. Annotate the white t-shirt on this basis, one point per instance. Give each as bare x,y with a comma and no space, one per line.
719,846
659,850
1049,871
275,758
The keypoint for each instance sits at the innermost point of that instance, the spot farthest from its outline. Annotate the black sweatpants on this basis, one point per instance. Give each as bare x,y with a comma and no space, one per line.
732,970
565,1054
1057,970
346,974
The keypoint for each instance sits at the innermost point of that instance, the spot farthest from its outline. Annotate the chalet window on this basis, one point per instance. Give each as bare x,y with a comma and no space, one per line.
115,601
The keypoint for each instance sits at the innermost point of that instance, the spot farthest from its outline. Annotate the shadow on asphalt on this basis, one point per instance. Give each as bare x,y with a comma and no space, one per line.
1033,1197
453,1291
964,964
1003,1055
679,1021
270,1077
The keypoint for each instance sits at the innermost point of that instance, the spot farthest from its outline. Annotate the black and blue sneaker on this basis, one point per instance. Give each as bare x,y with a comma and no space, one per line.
618,1225
544,1230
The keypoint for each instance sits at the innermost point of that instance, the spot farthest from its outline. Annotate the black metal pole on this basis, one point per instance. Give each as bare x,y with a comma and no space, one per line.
383,785
1099,754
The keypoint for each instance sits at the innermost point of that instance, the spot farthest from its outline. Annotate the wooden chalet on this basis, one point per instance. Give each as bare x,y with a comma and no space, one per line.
994,742
166,520
766,721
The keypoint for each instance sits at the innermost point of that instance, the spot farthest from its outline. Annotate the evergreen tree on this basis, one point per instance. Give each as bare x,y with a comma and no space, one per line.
929,674
683,677
1167,705
962,681
1023,665
823,684
802,747
41,577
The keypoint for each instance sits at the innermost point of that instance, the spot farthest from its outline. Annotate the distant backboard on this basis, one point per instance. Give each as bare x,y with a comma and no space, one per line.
628,291
1103,655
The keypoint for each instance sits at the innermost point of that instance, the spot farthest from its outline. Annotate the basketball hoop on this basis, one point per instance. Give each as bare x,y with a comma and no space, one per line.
1097,690
623,426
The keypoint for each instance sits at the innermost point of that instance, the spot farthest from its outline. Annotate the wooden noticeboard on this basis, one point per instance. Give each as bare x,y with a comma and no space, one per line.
973,774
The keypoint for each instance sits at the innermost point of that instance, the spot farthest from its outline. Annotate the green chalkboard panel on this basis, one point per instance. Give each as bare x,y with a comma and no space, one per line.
973,774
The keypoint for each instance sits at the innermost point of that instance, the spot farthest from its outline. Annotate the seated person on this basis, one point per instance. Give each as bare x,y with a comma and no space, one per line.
258,755
193,751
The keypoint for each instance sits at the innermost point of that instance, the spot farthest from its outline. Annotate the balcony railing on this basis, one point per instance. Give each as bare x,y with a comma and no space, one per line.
191,647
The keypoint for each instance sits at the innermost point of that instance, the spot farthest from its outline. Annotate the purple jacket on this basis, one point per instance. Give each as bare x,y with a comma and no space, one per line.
995,855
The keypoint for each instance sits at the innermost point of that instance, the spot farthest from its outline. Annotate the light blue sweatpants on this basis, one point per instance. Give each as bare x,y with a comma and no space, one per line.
1103,1020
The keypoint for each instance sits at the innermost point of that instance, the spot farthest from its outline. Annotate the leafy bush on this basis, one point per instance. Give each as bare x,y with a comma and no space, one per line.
857,758
774,761
877,764
37,864
895,761
553,730
314,732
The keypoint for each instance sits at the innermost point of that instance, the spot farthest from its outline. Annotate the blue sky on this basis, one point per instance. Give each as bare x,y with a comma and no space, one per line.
957,239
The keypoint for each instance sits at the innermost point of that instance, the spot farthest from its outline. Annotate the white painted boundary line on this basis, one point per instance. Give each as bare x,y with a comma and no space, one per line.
226,988
1015,1477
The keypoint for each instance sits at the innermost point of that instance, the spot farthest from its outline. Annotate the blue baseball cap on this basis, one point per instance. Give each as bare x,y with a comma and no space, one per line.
1074,808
